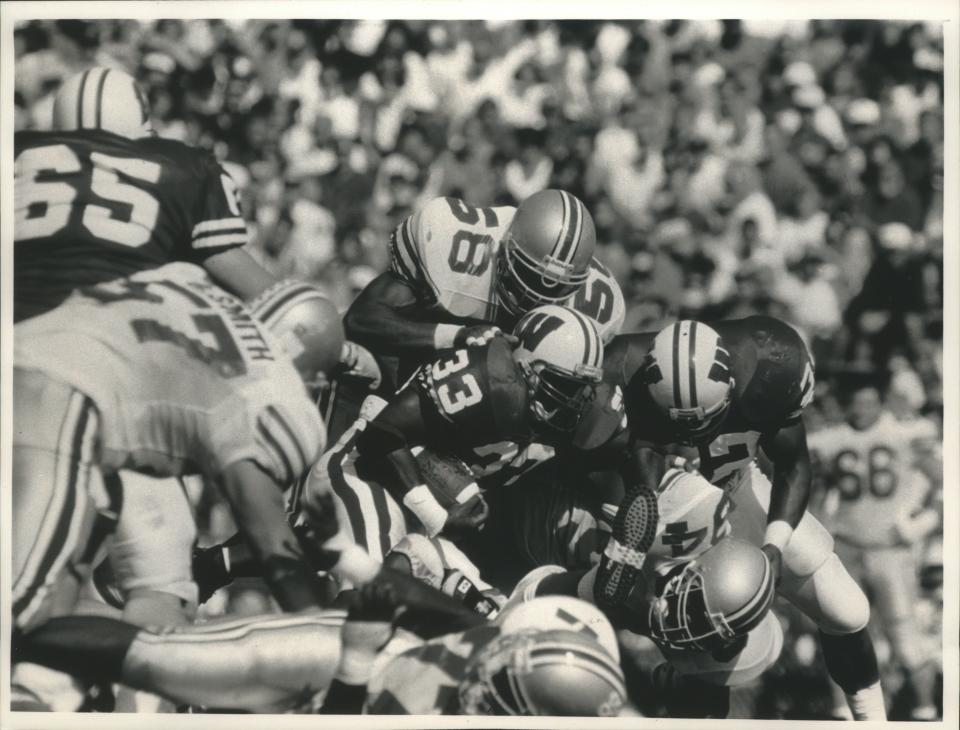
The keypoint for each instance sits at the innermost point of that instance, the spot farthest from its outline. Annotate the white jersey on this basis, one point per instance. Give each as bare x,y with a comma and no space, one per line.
448,251
874,475
184,379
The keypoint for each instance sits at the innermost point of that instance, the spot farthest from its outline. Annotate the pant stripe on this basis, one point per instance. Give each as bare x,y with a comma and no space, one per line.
68,521
346,494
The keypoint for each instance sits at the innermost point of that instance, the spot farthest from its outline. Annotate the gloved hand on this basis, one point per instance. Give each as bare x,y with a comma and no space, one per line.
479,335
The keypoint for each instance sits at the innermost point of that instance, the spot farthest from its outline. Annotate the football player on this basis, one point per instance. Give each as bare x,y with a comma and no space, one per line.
99,198
718,643
731,391
551,656
500,409
460,274
167,375
880,516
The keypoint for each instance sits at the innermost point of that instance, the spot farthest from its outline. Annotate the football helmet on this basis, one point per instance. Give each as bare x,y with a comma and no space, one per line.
561,353
545,253
554,656
102,98
307,325
714,599
687,373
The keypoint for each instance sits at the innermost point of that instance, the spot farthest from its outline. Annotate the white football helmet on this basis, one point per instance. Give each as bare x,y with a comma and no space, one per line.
545,253
687,373
307,325
554,656
102,98
715,598
561,354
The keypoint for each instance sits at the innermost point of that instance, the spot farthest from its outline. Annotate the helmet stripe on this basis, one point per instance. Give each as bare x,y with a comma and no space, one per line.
89,98
570,232
677,402
588,341
83,84
692,363
748,615
99,102
564,222
273,300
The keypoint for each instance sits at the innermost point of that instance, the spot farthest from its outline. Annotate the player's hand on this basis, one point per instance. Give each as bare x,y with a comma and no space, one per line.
467,517
480,335
209,571
776,561
358,362
370,619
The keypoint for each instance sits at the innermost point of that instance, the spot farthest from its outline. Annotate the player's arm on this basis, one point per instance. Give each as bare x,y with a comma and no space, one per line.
391,317
257,505
787,450
239,273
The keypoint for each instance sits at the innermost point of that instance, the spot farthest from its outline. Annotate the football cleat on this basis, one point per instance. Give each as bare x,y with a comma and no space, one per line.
545,253
714,599
687,373
102,98
561,354
634,531
307,325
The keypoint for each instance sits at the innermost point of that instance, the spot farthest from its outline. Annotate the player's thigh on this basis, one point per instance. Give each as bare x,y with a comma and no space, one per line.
893,583
810,544
58,496
152,547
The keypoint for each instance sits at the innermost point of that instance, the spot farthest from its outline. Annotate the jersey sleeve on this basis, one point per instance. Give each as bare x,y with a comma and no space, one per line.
289,439
218,224
408,254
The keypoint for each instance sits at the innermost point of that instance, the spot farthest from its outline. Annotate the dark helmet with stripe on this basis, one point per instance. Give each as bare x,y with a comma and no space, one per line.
561,354
307,325
102,98
687,373
545,253
556,655
714,599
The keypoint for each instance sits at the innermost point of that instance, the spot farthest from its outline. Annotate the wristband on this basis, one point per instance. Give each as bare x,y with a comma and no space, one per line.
778,534
356,665
445,335
468,493
424,505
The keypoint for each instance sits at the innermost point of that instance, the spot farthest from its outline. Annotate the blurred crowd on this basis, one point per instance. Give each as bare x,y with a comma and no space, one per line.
789,168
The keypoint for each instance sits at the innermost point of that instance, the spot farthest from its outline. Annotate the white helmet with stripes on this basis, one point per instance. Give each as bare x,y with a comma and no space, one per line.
561,353
102,98
687,373
307,325
555,656
545,253
714,599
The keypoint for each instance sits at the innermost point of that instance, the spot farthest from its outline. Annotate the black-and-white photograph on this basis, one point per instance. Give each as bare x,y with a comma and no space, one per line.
506,367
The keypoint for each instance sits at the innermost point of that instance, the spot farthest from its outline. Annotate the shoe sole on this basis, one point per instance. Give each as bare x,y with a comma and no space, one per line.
634,531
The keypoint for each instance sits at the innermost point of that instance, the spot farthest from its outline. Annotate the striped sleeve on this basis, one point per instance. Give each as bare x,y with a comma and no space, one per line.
219,223
405,259
290,451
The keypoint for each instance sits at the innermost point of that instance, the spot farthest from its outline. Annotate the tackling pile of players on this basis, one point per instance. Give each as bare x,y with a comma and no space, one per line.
512,494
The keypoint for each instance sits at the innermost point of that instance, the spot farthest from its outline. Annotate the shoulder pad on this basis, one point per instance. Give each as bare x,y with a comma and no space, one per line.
508,389
772,369
604,419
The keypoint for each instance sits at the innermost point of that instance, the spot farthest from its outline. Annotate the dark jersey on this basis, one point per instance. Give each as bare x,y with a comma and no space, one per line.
773,383
91,206
475,405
